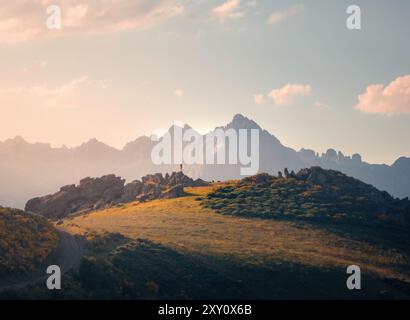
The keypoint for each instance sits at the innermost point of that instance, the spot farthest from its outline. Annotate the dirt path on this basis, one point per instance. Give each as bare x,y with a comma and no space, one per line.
68,256
69,252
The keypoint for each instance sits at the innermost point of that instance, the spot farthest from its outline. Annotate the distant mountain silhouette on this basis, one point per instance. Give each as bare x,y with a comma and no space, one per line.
29,170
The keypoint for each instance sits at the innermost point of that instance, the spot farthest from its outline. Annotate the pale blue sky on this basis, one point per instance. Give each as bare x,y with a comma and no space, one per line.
65,88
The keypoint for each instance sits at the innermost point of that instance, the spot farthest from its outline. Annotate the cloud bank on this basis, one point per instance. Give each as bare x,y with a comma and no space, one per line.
228,10
26,19
65,96
393,99
286,95
278,16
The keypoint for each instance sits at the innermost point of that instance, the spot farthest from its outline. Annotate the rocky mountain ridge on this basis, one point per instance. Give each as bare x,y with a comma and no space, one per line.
108,191
28,170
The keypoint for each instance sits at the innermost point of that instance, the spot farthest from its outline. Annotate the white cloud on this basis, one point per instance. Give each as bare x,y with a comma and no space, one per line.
42,95
179,93
228,10
393,99
259,99
26,19
286,95
278,16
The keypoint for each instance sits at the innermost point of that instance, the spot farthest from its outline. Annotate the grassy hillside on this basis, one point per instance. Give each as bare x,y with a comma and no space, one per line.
259,238
26,241
313,194
260,248
324,199
116,267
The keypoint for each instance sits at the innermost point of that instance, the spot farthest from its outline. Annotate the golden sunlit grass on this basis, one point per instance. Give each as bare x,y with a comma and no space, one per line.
184,225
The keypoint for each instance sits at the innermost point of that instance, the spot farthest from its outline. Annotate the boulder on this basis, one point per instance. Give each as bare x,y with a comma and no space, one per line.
131,191
91,193
173,192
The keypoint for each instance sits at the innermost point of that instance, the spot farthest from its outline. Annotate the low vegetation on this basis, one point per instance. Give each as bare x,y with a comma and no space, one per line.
262,237
26,241
312,195
116,267
186,226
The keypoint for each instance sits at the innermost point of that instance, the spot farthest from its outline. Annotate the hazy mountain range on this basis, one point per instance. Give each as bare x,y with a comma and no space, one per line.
29,170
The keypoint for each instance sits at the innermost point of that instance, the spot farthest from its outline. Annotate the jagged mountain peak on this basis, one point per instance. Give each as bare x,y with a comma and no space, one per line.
93,141
17,140
46,167
402,162
241,122
93,145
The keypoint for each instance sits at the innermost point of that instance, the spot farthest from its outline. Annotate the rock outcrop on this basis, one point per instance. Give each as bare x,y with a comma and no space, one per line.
107,191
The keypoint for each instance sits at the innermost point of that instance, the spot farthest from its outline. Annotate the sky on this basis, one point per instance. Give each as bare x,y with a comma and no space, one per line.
116,70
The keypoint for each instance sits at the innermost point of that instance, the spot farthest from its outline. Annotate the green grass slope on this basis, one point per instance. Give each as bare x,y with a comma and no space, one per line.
313,194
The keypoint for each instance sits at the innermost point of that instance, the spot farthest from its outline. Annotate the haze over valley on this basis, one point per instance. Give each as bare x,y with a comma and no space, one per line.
31,170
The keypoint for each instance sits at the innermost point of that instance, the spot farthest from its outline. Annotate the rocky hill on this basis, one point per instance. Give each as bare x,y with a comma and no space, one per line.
107,191
312,194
